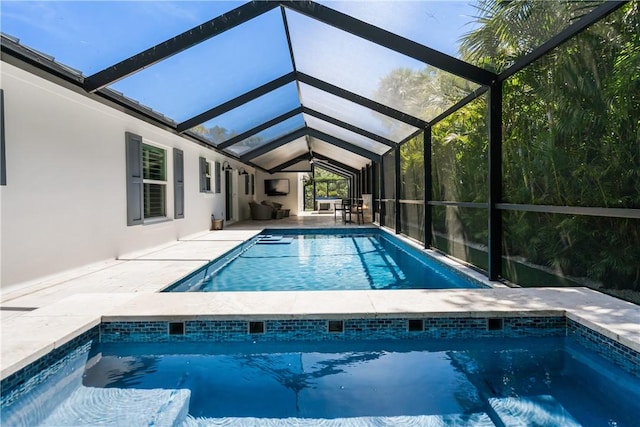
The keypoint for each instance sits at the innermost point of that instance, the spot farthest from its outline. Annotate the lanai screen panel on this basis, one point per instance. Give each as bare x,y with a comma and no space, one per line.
373,71
282,154
504,32
354,114
214,71
341,155
82,34
266,136
249,115
510,29
436,24
346,135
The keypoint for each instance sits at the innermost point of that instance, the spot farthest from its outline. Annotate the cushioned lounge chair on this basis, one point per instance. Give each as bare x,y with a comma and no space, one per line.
260,212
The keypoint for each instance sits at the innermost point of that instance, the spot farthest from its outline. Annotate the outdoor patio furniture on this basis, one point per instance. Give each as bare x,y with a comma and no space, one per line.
357,208
338,206
277,211
260,212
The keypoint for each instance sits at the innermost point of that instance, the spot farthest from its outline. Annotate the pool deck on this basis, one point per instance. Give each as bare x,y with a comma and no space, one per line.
44,314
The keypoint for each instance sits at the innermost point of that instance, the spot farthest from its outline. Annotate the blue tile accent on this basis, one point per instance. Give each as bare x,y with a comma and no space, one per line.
621,355
25,379
156,331
317,330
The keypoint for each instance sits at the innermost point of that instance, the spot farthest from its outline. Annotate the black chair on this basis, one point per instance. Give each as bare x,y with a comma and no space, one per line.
346,210
358,209
339,206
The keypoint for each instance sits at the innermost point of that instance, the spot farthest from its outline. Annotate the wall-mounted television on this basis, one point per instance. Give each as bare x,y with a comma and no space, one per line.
276,187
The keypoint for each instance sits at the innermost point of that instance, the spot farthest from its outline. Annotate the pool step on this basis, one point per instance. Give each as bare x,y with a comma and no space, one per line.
121,407
541,410
273,240
461,420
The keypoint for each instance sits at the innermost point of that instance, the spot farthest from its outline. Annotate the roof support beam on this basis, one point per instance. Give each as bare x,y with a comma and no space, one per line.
288,163
343,144
392,41
328,162
177,44
259,128
349,127
329,167
236,102
571,31
259,151
361,100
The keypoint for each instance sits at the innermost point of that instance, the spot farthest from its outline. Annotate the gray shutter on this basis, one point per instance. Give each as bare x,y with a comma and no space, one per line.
203,174
3,159
178,183
253,184
218,178
135,213
246,184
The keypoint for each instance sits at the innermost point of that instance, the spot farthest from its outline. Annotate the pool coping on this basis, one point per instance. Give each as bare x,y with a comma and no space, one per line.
38,332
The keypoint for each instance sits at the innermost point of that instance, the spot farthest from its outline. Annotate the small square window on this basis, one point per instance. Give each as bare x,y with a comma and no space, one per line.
335,326
256,327
176,328
495,324
415,325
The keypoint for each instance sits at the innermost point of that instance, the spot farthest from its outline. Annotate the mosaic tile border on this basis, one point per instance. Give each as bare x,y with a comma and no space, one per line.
621,355
318,330
24,380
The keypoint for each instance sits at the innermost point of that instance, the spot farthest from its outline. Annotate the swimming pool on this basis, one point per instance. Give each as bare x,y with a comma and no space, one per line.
323,259
472,382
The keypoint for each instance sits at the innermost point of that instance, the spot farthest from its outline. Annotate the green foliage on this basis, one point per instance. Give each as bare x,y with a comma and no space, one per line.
326,184
571,137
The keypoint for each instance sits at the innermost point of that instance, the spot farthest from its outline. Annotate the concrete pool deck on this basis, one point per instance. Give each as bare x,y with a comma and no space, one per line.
49,312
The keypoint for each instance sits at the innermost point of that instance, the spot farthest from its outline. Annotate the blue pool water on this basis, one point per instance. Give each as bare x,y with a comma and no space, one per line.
482,382
297,260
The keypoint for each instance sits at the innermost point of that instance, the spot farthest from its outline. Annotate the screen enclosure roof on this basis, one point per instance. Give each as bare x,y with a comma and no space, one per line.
277,84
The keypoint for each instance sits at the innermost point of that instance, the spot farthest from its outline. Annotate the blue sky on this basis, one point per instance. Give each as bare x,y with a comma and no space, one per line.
92,35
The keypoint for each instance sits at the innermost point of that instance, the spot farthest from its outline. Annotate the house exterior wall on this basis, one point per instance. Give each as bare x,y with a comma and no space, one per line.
290,201
64,205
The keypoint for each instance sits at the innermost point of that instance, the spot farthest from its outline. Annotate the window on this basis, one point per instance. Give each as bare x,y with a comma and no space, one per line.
154,179
205,176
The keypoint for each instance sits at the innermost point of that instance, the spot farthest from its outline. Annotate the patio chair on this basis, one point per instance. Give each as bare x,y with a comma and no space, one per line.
338,206
346,211
358,209
260,212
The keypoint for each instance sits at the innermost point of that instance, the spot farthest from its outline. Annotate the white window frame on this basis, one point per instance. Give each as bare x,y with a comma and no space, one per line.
163,183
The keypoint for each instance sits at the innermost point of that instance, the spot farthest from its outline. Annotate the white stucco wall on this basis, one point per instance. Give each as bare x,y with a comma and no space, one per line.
64,205
290,201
